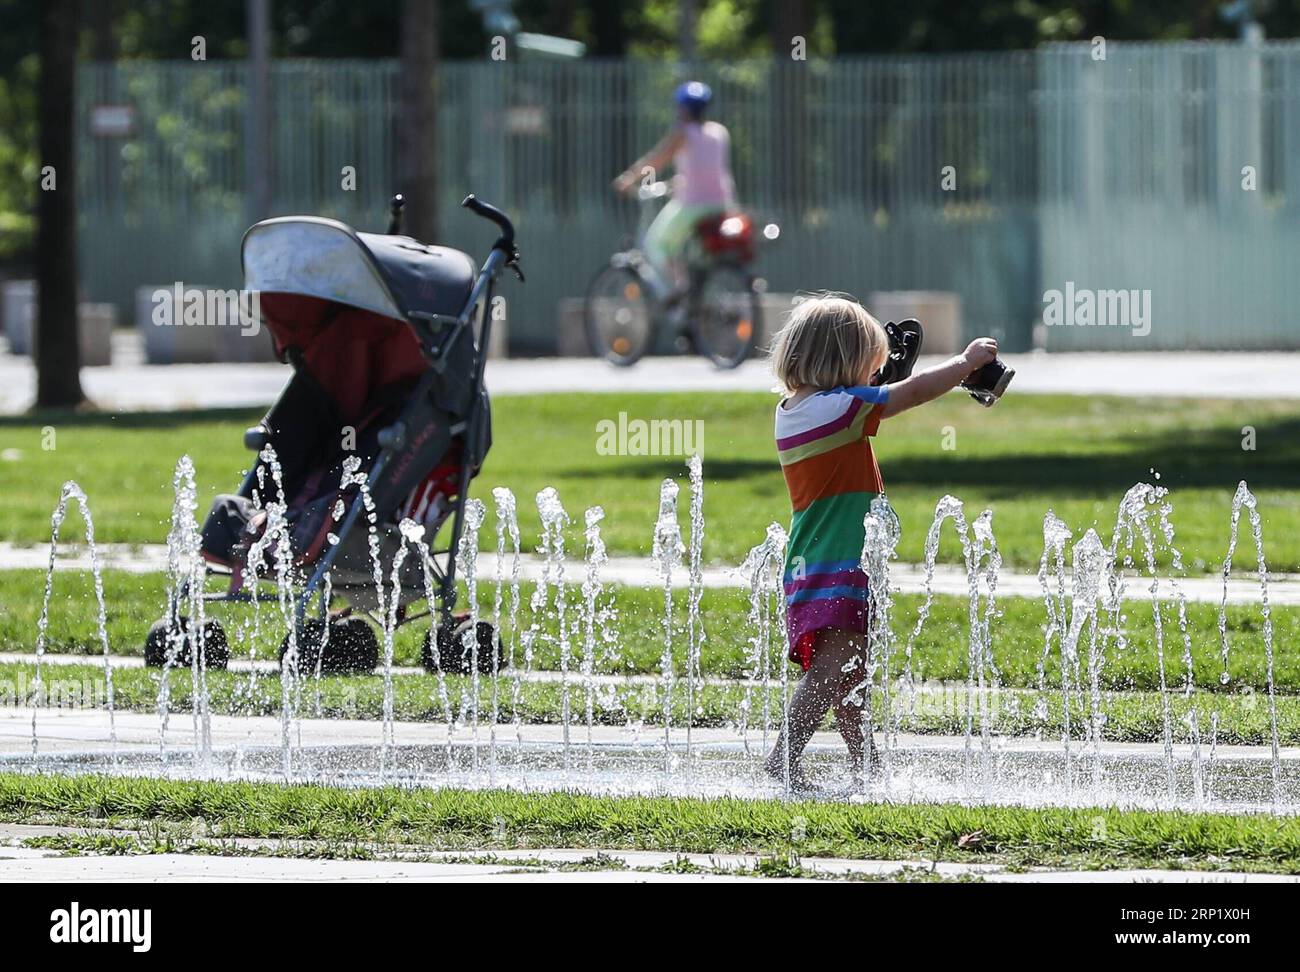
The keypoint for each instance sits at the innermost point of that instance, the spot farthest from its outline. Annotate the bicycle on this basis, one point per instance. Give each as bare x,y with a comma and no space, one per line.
717,313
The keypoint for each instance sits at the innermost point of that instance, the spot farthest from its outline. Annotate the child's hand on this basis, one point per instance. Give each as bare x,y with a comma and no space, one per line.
980,352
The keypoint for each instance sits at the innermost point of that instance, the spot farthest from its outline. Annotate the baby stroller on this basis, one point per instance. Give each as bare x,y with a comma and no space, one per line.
387,390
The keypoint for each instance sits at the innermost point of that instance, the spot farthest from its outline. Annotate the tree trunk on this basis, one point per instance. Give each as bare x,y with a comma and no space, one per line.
417,124
607,28
686,32
103,29
257,114
58,354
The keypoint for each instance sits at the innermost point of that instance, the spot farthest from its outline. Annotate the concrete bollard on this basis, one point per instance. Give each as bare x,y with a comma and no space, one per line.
235,345
95,323
171,344
17,301
938,311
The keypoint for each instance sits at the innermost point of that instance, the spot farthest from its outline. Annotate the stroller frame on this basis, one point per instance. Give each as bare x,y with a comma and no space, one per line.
437,334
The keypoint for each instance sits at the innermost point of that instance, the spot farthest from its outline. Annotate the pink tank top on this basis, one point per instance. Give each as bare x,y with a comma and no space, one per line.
703,173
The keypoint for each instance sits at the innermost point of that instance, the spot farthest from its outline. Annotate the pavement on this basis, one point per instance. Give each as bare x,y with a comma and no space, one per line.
84,730
262,861
197,854
641,572
132,385
948,579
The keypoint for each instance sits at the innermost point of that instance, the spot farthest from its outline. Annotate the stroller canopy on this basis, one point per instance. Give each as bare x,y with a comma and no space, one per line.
389,275
342,298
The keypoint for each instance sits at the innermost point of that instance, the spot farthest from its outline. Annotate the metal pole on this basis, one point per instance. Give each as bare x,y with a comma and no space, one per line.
257,128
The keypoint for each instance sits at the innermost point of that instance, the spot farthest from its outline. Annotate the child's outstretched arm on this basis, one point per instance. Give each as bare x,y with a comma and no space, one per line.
927,385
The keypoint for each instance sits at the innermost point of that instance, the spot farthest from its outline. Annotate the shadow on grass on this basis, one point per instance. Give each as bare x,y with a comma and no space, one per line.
239,418
1188,458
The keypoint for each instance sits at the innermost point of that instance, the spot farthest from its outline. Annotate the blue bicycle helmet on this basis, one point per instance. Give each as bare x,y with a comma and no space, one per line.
694,96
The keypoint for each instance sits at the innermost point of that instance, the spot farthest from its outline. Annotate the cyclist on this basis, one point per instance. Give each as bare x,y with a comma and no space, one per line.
699,150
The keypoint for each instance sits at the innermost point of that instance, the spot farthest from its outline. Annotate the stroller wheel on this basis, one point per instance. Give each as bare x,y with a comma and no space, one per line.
351,648
216,649
453,656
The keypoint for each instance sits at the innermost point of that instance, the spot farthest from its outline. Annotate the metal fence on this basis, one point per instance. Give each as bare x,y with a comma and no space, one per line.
1123,173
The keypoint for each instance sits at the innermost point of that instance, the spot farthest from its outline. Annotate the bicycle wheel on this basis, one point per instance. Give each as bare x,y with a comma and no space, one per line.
618,316
725,315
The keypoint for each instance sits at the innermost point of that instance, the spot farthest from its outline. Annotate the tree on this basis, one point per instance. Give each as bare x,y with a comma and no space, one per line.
58,354
417,123
609,31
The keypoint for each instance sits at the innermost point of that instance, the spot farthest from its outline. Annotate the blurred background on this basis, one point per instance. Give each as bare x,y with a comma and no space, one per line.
190,120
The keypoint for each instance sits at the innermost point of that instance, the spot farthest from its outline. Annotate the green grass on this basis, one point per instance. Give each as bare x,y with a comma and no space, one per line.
1076,455
1132,717
1130,676
136,600
456,819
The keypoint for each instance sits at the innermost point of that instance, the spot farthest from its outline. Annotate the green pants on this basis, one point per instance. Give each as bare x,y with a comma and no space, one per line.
670,231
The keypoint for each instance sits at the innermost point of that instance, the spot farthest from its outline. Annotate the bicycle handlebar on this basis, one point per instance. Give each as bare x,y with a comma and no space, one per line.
655,190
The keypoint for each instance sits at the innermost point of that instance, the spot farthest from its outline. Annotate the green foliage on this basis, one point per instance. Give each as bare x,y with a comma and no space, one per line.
456,819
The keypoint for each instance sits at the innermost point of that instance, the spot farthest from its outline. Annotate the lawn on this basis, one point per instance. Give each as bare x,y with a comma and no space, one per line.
1075,455
1131,717
459,819
1130,676
637,641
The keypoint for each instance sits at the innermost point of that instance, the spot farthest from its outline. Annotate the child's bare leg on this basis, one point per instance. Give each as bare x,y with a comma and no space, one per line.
817,691
849,701
809,702
848,720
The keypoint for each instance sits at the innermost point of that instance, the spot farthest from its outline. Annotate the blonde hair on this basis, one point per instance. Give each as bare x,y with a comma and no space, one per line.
827,341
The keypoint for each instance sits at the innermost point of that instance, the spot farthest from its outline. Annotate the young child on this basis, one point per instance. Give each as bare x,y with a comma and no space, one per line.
824,358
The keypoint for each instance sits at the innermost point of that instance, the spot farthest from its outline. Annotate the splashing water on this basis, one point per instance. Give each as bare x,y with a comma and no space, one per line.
881,533
185,573
1133,523
951,508
554,520
467,562
589,620
695,591
507,528
667,556
1081,585
761,572
1244,498
1055,537
71,491
411,536
1090,565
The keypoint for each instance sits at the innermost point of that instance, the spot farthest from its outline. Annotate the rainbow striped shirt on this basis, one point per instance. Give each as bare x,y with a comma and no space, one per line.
825,452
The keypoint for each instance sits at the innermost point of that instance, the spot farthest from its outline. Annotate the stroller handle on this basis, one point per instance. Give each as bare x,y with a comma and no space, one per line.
488,211
506,241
